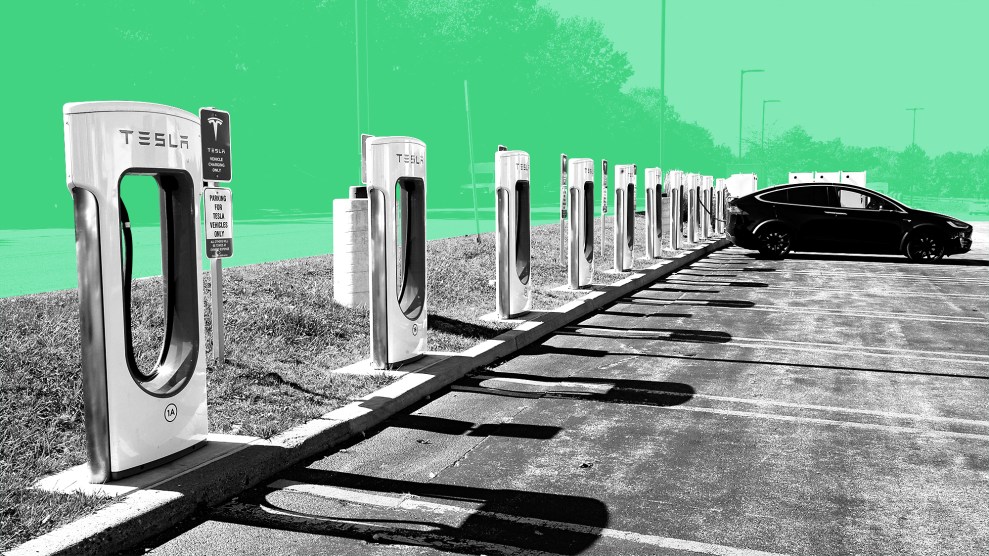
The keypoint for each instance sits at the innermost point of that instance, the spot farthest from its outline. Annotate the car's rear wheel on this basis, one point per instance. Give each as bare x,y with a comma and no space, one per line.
774,242
925,247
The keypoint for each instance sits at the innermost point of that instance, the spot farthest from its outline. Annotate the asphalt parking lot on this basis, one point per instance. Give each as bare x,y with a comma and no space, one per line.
822,404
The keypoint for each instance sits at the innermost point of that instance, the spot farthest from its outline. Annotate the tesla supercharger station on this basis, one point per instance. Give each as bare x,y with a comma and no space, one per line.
707,188
674,188
513,283
722,205
395,174
693,189
654,213
580,191
137,418
624,215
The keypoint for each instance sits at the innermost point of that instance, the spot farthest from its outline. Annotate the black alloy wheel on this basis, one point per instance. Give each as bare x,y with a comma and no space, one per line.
925,248
774,243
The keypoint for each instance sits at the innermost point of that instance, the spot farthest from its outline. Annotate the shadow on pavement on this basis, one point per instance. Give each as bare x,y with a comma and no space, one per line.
456,327
727,303
450,518
615,390
466,428
640,315
716,282
892,259
666,334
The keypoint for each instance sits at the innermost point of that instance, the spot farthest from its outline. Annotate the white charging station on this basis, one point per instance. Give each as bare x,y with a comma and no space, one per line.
580,192
625,178
693,189
674,189
394,170
706,196
721,203
513,281
137,418
654,213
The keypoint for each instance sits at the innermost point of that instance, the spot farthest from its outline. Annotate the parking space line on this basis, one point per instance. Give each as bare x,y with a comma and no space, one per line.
722,338
881,292
603,387
868,348
838,312
832,422
936,278
411,504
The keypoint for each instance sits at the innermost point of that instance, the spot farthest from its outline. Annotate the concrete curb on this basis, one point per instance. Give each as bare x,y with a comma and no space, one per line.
149,512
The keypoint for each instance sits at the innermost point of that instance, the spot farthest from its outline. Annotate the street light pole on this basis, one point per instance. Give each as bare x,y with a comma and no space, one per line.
762,136
913,137
662,78
741,90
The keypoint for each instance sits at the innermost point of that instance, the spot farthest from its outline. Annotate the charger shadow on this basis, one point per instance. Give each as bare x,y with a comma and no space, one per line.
444,517
454,427
606,390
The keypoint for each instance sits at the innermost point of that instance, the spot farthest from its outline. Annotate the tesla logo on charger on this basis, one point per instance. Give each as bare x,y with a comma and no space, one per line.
415,158
216,123
156,139
171,412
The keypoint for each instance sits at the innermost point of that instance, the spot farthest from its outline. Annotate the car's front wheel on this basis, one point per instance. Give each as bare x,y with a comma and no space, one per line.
925,247
774,243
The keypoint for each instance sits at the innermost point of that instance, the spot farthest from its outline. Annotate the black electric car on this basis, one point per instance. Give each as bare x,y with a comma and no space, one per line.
841,218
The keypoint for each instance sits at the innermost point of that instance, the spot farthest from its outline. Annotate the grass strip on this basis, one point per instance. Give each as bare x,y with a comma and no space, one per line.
284,333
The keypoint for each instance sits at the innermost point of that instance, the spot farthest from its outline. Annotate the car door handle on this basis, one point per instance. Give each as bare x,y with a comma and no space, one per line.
836,213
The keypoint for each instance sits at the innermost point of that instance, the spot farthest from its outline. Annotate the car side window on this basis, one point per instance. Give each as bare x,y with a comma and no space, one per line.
775,196
853,199
813,195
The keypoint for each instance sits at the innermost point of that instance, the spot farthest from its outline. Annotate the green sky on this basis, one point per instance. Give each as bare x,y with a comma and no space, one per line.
844,68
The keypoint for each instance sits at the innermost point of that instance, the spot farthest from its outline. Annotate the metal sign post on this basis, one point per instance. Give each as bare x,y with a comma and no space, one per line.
215,133
563,209
604,199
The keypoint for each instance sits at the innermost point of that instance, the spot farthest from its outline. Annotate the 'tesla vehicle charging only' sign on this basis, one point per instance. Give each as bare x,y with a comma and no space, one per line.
214,128
219,222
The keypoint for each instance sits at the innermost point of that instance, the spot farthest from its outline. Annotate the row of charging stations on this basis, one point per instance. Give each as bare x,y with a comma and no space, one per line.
139,418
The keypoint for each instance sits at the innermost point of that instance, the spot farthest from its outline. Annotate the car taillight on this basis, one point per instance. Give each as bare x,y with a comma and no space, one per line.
733,209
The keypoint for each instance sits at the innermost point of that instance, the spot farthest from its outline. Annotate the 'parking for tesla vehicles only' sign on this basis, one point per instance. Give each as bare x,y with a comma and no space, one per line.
214,130
219,222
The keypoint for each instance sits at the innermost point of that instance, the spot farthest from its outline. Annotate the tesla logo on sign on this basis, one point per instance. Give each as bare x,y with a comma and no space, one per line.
216,123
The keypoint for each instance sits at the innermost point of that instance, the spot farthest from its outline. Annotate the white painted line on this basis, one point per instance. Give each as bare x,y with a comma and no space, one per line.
756,343
881,291
852,352
412,504
604,387
834,422
978,321
863,348
874,292
926,278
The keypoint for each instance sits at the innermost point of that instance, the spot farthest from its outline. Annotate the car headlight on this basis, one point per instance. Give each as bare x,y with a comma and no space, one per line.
959,225
735,210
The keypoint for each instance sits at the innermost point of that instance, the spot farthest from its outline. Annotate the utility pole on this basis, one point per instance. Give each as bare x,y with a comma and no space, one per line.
913,136
741,91
762,136
470,148
662,78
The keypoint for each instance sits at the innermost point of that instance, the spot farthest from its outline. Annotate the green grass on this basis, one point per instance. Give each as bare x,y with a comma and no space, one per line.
284,332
